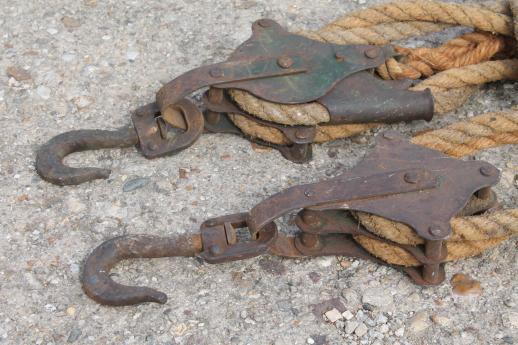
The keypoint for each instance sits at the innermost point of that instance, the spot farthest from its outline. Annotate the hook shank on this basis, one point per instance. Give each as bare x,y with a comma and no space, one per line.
49,159
96,279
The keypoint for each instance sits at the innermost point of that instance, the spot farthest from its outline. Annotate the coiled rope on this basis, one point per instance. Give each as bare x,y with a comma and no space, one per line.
453,72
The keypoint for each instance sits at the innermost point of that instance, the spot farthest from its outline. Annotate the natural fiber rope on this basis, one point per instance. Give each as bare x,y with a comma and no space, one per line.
468,49
431,11
449,90
470,235
443,85
397,256
480,132
459,60
473,228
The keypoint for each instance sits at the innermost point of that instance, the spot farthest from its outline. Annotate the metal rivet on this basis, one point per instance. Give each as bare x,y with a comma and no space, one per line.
301,134
372,53
215,249
309,218
285,62
411,177
216,72
308,193
152,146
435,231
212,117
210,223
340,56
487,171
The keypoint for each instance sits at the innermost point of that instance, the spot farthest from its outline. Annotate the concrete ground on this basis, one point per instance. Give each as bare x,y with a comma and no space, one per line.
89,64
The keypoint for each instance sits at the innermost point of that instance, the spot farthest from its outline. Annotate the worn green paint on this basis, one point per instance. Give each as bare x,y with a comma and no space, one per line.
322,70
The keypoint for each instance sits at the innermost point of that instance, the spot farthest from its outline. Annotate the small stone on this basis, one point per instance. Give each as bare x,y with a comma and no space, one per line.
511,319
345,263
384,328
441,320
132,55
347,315
368,307
378,297
310,341
74,334
350,326
68,57
243,314
360,139
314,276
43,92
333,315
50,308
18,73
361,330
370,322
351,297
136,183
400,332
82,102
74,205
381,319
508,340
419,322
463,285
70,23
71,311
325,261
273,266
52,31
182,173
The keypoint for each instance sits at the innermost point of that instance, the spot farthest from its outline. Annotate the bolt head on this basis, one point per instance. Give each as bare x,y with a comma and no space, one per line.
372,53
435,231
340,56
152,146
487,171
301,134
216,72
411,177
285,61
308,193
309,218
210,223
215,249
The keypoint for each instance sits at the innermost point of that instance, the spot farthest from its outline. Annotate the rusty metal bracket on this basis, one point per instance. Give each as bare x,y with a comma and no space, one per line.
398,180
274,65
364,98
278,66
155,140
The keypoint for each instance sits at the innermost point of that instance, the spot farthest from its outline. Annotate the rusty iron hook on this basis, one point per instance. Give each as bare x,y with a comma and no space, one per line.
49,159
149,131
96,279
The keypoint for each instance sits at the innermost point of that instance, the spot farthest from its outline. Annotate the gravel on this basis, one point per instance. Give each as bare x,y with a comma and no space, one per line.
87,64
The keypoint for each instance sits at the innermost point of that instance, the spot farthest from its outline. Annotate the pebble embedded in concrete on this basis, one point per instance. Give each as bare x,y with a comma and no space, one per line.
378,296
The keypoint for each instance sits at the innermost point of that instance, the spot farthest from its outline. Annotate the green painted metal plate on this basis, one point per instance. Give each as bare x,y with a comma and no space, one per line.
324,64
